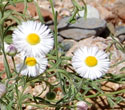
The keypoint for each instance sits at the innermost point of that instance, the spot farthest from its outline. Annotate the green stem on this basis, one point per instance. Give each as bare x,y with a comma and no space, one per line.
117,63
39,12
74,14
55,29
14,63
85,15
56,42
7,68
17,93
106,94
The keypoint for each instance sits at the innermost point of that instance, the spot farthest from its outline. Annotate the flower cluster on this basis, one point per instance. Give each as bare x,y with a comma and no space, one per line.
33,40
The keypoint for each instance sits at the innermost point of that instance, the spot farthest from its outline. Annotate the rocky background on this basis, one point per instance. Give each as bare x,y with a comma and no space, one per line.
104,18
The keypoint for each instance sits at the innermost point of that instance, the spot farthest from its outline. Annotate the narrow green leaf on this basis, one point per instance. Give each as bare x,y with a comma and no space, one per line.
7,70
6,15
111,102
76,5
122,69
119,99
41,100
25,7
8,39
39,13
18,21
95,86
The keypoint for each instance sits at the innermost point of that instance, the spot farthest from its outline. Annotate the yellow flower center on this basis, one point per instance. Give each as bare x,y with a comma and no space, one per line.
33,39
30,61
91,61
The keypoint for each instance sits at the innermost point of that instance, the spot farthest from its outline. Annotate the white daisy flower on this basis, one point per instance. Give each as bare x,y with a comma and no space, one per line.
33,38
90,63
33,66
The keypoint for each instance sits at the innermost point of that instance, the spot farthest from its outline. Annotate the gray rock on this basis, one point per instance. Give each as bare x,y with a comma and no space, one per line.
120,33
60,39
67,44
81,28
92,12
121,1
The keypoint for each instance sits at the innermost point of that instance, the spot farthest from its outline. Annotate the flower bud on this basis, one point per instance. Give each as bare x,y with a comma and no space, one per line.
81,105
51,95
11,50
2,89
